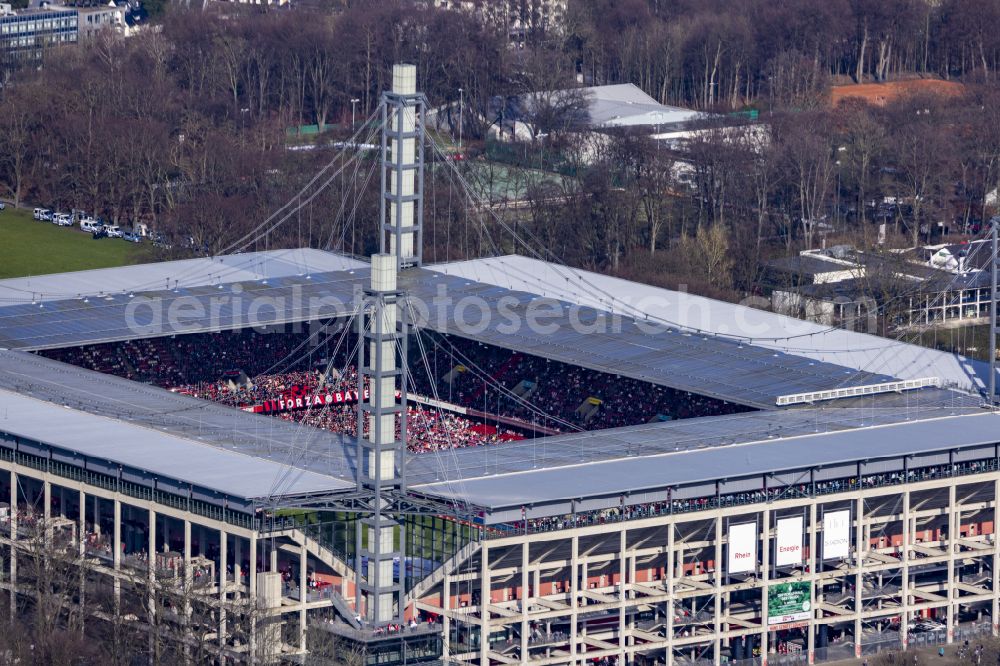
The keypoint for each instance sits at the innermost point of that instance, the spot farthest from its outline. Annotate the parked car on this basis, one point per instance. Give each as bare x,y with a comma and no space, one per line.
924,626
114,231
3,206
89,225
62,220
42,214
159,240
131,237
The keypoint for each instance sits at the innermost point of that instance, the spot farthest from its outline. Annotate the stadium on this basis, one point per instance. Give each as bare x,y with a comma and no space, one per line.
499,460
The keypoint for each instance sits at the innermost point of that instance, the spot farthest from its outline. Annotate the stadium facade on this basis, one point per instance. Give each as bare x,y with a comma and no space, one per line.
853,509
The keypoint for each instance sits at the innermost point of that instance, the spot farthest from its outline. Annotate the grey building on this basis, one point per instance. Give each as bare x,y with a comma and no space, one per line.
25,34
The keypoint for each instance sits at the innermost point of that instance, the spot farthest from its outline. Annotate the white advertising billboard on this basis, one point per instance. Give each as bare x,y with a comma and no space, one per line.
742,548
788,550
837,534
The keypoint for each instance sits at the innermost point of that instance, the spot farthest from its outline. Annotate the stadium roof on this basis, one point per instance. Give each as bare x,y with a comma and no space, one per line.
194,309
686,435
183,273
153,451
266,456
755,327
747,457
701,363
275,441
731,352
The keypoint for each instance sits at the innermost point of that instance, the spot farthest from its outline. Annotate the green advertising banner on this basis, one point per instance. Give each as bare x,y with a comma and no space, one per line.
789,602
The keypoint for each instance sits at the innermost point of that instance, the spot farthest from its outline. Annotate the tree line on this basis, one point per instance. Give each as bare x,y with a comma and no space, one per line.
912,172
724,54
186,128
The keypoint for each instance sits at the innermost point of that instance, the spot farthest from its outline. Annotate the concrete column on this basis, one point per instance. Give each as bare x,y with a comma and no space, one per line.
954,524
525,584
765,562
82,523
13,546
62,501
253,564
303,596
717,612
860,548
811,637
117,547
238,564
47,512
622,572
151,545
670,598
905,572
484,604
274,558
97,515
995,604
574,585
253,591
584,585
151,577
188,573
630,599
81,552
223,585
446,621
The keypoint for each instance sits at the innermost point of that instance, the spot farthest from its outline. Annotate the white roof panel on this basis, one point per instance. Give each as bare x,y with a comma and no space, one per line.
156,452
182,273
752,326
632,474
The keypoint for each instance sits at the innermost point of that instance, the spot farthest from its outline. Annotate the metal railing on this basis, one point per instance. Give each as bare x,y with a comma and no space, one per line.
673,507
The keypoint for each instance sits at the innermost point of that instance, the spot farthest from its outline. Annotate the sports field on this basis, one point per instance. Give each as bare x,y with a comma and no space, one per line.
28,247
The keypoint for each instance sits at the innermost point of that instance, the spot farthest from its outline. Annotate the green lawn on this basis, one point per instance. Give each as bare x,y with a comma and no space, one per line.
28,247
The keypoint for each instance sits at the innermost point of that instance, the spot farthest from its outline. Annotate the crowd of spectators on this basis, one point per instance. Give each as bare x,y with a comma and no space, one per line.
193,359
427,429
482,377
556,396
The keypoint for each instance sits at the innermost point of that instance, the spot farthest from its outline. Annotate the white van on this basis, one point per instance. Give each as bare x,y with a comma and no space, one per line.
89,225
62,220
40,214
114,231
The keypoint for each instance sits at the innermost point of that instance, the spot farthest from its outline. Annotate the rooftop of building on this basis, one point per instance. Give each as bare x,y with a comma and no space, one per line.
730,352
810,265
183,273
187,419
255,456
150,451
626,105
718,320
645,462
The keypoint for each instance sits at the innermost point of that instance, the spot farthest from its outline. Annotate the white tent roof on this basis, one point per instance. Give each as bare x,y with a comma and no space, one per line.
626,105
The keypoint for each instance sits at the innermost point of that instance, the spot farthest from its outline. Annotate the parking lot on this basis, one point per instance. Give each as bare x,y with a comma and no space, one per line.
28,247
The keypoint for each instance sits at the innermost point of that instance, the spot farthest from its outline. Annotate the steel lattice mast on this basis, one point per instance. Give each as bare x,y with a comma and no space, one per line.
380,535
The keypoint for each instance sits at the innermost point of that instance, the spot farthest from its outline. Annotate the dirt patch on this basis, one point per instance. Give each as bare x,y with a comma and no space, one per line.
881,94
